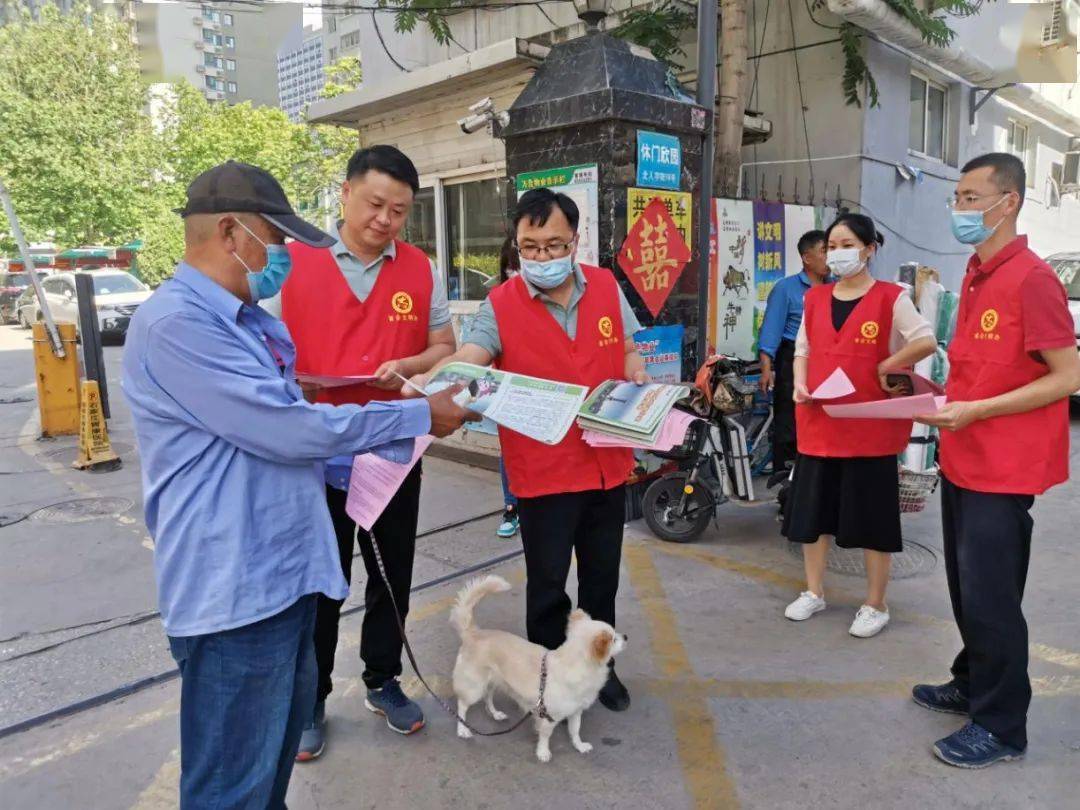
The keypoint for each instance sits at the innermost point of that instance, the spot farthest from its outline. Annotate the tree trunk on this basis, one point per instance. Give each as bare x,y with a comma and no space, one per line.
734,85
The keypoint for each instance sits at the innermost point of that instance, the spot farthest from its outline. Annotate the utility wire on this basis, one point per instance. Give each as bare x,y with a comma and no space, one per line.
802,100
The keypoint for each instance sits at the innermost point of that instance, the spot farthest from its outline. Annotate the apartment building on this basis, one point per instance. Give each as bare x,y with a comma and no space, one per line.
301,76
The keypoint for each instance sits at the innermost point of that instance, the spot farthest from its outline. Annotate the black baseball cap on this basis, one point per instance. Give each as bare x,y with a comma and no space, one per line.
240,187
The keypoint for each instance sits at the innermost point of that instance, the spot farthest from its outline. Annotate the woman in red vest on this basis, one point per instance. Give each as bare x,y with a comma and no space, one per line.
847,477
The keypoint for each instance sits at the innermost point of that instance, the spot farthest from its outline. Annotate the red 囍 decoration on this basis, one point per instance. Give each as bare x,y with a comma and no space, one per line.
654,255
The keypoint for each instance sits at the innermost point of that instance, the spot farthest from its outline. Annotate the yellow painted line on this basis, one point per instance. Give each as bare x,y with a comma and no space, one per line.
161,793
751,571
766,576
703,759
19,765
1051,686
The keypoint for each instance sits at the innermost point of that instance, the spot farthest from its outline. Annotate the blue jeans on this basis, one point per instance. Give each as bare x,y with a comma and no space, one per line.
508,496
244,699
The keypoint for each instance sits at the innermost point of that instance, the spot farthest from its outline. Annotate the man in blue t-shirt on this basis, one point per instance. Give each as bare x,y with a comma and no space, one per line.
776,342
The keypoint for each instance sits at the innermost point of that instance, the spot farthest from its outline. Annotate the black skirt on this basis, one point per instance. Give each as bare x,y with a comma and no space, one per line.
856,500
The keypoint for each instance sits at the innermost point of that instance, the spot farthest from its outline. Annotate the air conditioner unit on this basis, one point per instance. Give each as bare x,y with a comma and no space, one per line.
199,45
198,21
200,69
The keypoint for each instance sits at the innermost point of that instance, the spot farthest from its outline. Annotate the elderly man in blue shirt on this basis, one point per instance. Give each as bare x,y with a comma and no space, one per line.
232,464
776,342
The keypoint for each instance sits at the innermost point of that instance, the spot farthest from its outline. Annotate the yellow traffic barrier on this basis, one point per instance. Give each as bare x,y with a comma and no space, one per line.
94,446
57,381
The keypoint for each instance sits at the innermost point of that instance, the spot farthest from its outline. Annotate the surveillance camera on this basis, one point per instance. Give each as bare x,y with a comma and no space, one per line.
473,123
483,105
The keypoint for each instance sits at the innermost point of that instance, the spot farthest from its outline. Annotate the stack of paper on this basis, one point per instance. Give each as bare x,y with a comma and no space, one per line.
629,411
671,435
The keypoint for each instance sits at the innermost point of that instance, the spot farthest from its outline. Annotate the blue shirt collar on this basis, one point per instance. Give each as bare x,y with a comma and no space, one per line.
219,299
804,278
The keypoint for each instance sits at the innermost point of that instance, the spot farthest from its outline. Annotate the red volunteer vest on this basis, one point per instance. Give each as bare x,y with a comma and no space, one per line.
858,347
336,334
533,343
1020,454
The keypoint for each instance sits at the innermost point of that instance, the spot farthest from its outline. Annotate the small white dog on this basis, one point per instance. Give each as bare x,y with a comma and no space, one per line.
491,659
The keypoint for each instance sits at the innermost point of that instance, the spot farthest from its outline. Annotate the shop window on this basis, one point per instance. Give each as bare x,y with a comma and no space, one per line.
476,227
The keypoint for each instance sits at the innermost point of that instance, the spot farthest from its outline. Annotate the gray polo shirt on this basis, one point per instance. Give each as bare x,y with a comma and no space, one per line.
484,331
361,279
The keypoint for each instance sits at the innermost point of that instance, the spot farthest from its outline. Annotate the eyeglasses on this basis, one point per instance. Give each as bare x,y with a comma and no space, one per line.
970,199
552,250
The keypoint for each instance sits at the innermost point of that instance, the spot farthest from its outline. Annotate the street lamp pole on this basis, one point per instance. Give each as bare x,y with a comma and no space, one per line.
706,97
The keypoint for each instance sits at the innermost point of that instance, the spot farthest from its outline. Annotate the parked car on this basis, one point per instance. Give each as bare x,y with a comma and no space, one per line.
12,286
26,308
117,294
1067,267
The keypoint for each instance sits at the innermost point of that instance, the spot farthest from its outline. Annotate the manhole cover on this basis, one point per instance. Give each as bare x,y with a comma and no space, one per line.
915,560
82,510
66,455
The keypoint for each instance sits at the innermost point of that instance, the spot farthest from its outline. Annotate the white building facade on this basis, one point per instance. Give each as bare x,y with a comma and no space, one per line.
300,71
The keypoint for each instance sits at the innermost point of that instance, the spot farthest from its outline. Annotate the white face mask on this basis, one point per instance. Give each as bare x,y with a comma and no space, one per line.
845,262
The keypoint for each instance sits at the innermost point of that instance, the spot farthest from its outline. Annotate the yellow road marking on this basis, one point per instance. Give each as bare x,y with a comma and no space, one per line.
1044,652
161,792
703,759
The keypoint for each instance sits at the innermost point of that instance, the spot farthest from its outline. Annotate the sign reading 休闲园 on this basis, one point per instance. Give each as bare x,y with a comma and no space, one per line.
659,160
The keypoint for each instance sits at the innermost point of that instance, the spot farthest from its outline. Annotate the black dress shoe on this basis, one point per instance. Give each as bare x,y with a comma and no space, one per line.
614,695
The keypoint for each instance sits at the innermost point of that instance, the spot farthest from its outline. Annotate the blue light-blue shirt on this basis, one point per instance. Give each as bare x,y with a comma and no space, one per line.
232,457
783,313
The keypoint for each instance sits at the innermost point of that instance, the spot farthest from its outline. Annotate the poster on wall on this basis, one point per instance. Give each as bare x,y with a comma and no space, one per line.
798,219
769,254
678,205
653,255
733,287
580,184
752,246
661,347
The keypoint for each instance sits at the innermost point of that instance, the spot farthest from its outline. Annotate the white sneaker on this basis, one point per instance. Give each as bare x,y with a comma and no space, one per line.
869,622
804,607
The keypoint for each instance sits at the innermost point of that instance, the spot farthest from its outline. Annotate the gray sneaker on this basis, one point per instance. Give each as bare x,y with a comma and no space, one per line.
402,715
313,740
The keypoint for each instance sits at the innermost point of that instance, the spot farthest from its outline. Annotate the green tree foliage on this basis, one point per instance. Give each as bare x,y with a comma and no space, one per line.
660,26
76,150
86,162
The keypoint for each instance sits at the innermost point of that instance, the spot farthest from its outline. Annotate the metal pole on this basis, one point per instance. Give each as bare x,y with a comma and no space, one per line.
706,97
28,264
89,329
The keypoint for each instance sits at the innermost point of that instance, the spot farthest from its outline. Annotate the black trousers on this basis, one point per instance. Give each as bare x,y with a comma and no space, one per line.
380,641
987,546
555,527
783,434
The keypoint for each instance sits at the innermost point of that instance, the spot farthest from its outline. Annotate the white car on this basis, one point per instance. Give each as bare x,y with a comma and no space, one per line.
117,294
1067,267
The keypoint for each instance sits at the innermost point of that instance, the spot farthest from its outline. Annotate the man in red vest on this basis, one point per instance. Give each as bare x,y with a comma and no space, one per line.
1004,440
369,305
563,321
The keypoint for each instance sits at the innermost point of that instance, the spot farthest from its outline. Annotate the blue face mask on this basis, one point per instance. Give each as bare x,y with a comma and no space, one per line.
547,275
969,227
267,282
